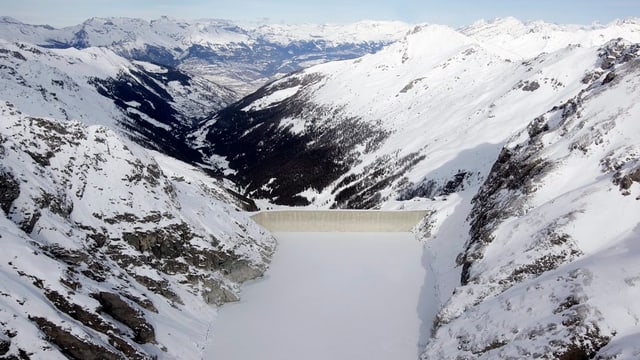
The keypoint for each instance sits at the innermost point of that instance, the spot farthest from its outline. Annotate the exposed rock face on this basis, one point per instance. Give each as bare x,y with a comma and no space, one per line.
125,244
5,344
9,191
70,345
513,174
120,310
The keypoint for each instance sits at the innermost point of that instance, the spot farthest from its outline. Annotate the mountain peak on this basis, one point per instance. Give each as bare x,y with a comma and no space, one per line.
10,20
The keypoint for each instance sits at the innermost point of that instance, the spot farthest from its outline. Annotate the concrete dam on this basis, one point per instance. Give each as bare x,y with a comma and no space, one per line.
339,220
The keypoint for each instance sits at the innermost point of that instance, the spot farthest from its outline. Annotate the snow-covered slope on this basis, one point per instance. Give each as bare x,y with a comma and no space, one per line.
528,161
421,117
111,251
551,263
516,40
152,104
234,55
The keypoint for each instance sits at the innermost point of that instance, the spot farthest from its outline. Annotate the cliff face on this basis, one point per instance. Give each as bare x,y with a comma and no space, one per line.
111,249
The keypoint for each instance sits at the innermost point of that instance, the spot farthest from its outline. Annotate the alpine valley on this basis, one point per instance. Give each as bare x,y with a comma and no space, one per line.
131,151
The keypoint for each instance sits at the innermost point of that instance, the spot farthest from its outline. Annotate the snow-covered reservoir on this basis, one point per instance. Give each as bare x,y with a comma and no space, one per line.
351,295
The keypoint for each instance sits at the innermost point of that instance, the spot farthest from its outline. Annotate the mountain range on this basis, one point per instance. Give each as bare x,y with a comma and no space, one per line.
129,149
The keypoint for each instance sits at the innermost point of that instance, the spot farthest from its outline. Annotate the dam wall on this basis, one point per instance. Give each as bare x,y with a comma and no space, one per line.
339,220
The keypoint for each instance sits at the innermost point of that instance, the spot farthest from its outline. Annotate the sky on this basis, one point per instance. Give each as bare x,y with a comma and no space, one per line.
448,12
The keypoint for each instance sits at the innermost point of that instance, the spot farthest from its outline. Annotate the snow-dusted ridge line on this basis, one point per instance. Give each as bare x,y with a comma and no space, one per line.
339,220
229,54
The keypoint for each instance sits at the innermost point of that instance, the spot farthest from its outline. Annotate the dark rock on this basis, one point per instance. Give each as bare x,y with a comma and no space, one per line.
609,78
70,257
57,204
9,191
13,54
616,52
30,221
77,312
144,303
5,344
159,287
95,322
427,188
626,182
515,171
70,345
121,311
217,294
456,184
531,86
537,127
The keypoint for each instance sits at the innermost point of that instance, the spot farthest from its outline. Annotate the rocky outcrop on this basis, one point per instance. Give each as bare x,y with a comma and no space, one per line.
70,345
515,174
125,239
9,191
121,311
5,344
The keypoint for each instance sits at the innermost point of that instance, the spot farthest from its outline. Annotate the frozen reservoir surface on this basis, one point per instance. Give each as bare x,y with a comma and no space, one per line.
328,296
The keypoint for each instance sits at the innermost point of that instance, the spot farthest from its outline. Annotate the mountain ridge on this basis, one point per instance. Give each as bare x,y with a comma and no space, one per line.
408,89
221,50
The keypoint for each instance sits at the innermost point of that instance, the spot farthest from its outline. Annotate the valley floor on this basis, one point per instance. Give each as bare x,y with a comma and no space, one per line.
329,296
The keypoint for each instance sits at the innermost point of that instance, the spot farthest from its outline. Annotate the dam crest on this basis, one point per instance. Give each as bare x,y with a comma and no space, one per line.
339,220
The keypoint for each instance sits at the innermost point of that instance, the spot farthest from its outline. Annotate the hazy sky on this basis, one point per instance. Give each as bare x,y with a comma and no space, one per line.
449,12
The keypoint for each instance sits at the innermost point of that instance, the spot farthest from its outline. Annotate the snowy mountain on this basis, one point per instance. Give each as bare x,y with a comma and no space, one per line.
420,118
550,268
522,140
241,57
152,104
109,250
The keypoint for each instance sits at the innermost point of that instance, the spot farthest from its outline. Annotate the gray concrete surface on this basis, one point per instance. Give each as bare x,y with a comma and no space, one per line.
339,220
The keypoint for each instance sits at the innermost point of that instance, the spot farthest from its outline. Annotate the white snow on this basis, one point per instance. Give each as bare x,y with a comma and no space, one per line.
329,296
272,99
149,119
